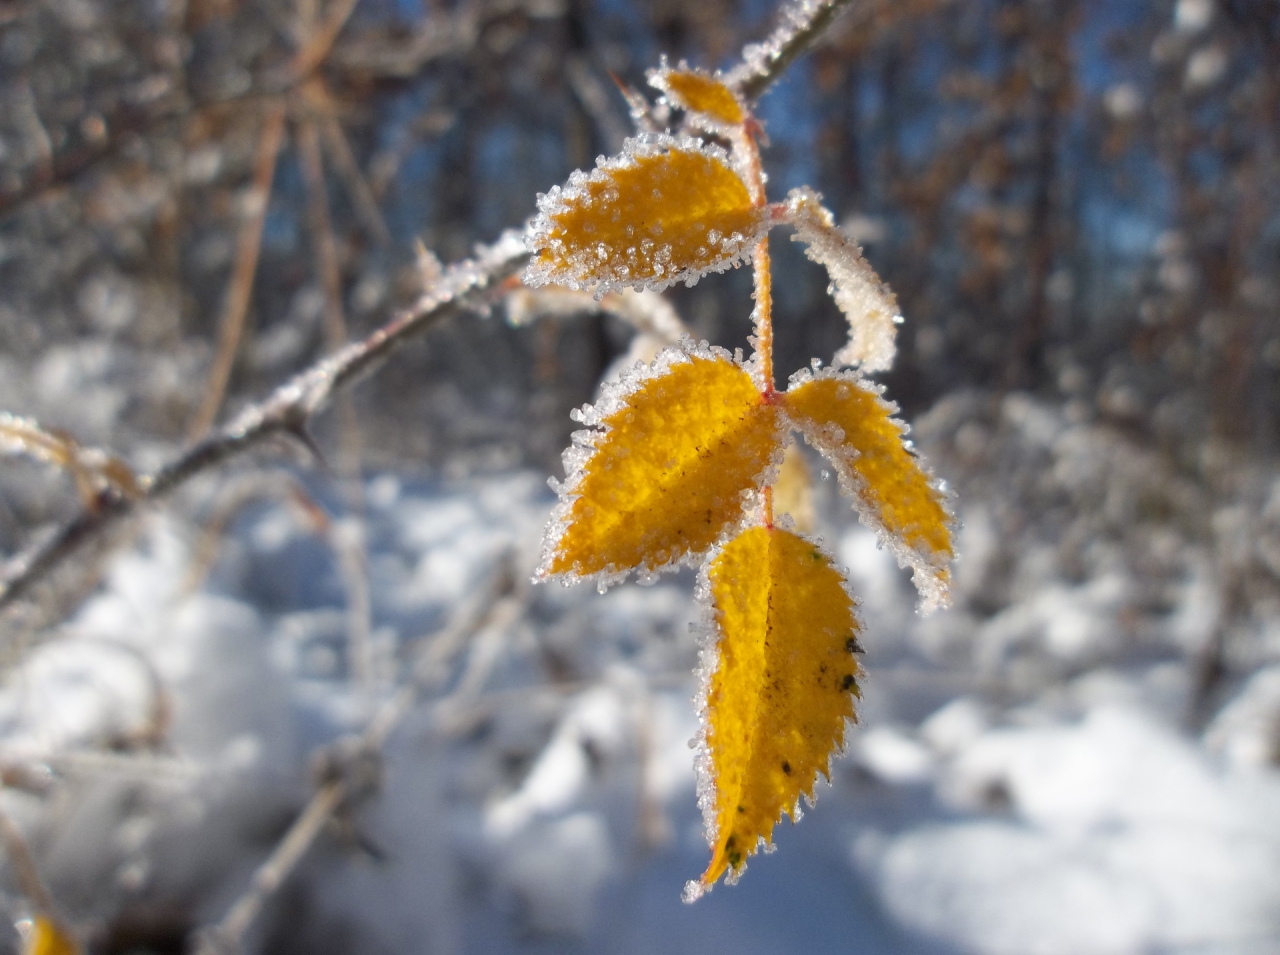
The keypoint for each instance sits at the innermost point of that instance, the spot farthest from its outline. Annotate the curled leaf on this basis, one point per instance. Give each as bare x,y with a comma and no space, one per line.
844,417
868,304
700,93
664,210
783,686
664,469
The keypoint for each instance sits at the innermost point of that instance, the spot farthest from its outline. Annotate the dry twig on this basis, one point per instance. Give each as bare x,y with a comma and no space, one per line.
240,287
353,766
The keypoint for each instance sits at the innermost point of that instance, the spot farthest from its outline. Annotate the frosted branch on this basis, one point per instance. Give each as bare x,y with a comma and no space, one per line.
802,24
286,411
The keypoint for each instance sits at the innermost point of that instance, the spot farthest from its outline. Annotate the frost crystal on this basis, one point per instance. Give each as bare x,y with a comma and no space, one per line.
666,209
761,444
758,59
908,545
711,104
868,304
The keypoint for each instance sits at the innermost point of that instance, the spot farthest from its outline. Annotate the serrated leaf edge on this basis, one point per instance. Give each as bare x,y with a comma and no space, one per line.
705,122
559,199
934,595
707,626
585,444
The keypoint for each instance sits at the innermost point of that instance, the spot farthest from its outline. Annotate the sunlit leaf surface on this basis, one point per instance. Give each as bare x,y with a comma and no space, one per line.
845,418
663,474
783,687
702,93
663,211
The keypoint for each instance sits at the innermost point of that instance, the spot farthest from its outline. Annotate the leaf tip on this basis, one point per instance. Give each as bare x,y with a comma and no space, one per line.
694,889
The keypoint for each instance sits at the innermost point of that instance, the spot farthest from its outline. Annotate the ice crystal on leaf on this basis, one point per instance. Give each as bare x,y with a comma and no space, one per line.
844,417
665,210
783,686
686,456
714,105
868,304
662,472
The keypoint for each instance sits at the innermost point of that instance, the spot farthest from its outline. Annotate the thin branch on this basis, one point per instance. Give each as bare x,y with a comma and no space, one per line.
320,224
286,411
491,606
316,49
339,150
802,24
226,935
240,287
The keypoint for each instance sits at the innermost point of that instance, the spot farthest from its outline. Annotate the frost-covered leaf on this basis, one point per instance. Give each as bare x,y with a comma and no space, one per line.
868,304
793,491
664,210
844,417
701,93
783,686
47,937
671,454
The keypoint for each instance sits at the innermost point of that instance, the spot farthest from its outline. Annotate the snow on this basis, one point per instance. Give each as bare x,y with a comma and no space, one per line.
1123,839
988,804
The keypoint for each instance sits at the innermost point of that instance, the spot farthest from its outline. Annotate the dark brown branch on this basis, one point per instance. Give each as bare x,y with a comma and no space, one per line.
286,411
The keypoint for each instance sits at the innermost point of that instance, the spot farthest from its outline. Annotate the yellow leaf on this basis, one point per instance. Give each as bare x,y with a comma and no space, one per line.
666,468
47,937
793,492
844,417
700,92
663,211
783,687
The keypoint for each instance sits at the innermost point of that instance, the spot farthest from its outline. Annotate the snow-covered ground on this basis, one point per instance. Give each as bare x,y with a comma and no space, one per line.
542,800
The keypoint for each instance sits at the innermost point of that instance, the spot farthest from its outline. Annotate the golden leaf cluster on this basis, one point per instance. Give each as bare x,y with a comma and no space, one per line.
691,458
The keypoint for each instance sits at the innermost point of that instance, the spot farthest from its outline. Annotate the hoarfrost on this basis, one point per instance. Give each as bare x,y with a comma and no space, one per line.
867,302
614,268
711,103
925,566
575,459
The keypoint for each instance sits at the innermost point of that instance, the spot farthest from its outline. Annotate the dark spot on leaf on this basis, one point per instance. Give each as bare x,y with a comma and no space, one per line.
786,767
847,682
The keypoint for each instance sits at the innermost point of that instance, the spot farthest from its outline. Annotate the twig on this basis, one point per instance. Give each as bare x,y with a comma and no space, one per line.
321,227
762,63
491,606
366,206
286,411
321,40
226,935
240,287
